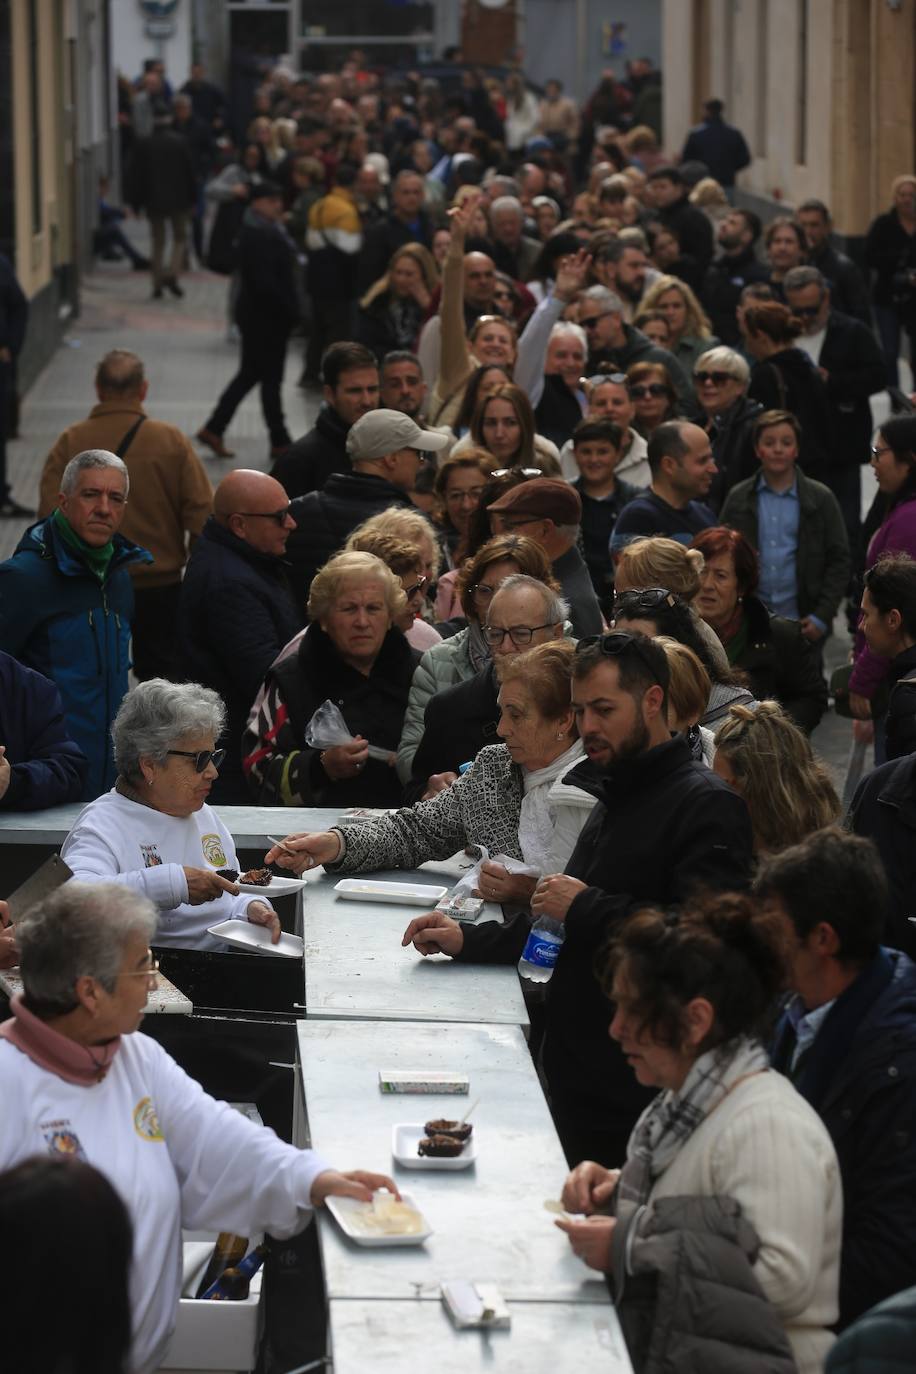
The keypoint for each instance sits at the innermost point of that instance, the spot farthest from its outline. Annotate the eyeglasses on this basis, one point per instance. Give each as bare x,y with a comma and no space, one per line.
521,635
201,759
640,392
807,312
152,968
417,587
716,378
525,472
278,516
646,599
616,645
592,320
876,451
483,590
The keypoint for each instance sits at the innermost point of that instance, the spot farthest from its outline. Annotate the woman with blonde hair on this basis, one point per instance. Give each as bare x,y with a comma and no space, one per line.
766,758
402,523
659,562
689,688
710,197
691,335
392,310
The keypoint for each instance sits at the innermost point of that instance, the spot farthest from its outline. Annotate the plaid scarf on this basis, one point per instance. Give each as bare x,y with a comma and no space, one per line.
672,1117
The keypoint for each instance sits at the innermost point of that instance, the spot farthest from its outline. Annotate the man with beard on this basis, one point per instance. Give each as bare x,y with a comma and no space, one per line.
736,267
622,267
664,827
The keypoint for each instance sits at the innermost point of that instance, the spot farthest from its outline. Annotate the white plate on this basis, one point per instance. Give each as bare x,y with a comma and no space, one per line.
256,939
348,1211
405,894
405,1137
277,887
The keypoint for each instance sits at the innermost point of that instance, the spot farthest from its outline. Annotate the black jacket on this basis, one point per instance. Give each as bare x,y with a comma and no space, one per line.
308,464
884,809
235,615
900,721
693,229
848,291
789,381
46,767
781,665
14,308
889,249
377,328
731,437
372,706
457,724
852,357
324,520
268,299
598,521
664,827
576,586
557,412
725,279
161,180
860,1077
721,146
385,239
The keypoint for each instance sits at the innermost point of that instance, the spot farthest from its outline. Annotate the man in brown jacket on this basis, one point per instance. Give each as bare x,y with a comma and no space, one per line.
170,499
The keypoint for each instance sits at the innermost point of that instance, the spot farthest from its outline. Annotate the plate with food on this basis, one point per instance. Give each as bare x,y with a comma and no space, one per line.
383,1221
263,881
404,894
438,1144
254,939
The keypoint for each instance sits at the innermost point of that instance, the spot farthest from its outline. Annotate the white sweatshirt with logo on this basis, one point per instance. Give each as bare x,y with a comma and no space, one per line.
175,1155
118,840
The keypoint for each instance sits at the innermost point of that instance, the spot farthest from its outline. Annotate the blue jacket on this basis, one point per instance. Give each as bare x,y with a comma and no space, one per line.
860,1077
882,1342
56,617
47,768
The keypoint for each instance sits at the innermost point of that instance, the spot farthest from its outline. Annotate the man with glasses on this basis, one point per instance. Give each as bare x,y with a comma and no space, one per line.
386,451
549,511
848,357
665,826
462,719
683,469
236,610
614,344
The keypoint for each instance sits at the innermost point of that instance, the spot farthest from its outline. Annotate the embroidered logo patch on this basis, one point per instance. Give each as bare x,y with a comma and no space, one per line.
151,856
63,1140
213,850
146,1122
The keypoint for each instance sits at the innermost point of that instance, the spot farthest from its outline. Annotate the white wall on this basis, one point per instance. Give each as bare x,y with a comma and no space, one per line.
130,43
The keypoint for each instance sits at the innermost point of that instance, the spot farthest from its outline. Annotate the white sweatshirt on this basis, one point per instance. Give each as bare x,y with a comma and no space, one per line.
118,840
175,1155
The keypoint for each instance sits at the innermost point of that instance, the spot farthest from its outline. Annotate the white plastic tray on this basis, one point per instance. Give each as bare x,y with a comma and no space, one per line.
277,887
404,894
405,1137
256,939
347,1211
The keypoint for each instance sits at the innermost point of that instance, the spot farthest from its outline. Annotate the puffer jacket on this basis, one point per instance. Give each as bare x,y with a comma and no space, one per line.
686,1294
441,666
881,1342
56,617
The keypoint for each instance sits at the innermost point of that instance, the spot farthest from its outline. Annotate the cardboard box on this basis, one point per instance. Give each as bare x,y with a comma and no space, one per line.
217,1337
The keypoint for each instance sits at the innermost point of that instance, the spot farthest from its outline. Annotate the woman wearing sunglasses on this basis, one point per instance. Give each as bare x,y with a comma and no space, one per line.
154,832
721,378
653,396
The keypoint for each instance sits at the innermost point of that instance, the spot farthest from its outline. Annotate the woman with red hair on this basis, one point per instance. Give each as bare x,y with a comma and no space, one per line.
772,651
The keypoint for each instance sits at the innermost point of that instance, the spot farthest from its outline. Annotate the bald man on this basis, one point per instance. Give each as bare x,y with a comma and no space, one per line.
236,610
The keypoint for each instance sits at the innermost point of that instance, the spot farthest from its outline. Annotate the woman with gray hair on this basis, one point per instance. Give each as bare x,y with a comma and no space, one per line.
721,377
76,1079
154,832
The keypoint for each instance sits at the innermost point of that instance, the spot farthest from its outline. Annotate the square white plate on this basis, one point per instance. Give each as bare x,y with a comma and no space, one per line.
277,887
405,1137
256,939
404,894
347,1212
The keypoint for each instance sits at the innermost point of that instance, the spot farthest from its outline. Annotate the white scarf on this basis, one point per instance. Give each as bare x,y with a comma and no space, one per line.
536,823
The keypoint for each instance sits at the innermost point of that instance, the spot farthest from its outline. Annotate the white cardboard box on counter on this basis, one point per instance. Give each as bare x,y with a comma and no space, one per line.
216,1337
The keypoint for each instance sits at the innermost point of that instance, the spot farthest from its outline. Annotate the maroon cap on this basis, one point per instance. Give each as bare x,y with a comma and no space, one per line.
545,498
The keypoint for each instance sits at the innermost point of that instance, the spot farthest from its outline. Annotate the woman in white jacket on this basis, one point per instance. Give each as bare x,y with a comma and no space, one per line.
76,1080
512,800
154,832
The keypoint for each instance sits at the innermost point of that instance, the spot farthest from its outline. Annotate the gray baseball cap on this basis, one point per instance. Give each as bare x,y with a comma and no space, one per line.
380,432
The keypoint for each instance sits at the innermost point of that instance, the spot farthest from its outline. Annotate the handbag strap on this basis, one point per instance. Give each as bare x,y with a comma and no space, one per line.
129,437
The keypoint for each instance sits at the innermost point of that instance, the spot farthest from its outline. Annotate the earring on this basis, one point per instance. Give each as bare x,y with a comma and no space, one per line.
560,734
149,782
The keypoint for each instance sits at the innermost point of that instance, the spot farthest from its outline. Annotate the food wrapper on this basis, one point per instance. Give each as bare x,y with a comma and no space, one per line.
327,729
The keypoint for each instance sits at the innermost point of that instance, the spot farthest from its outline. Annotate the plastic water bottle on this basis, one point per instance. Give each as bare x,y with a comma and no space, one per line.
542,949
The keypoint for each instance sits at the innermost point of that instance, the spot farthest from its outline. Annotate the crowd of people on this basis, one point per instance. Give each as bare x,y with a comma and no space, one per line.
563,549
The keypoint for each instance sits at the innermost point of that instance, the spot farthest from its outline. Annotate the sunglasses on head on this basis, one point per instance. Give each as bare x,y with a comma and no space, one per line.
525,472
617,644
646,599
644,389
717,378
202,758
618,378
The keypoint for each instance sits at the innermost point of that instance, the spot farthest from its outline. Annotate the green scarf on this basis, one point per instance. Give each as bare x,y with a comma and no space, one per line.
96,560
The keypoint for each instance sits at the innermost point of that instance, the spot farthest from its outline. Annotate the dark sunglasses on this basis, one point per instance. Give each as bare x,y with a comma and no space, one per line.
646,599
201,759
641,390
717,378
279,516
617,644
417,587
592,320
807,312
